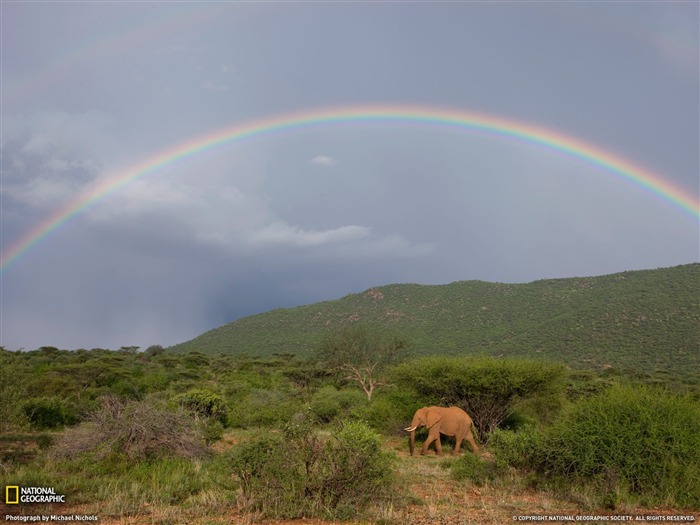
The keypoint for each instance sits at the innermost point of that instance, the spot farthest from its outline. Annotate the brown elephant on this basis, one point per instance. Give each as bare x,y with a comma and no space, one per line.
452,421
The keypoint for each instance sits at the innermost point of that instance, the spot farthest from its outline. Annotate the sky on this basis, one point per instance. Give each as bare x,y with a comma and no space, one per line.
97,92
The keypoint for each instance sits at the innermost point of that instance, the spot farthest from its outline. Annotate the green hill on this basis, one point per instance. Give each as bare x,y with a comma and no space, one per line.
630,320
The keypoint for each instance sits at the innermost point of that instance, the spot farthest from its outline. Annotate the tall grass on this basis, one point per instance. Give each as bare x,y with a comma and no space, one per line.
118,488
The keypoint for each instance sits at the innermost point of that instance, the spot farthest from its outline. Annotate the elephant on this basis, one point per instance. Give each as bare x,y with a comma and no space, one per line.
452,421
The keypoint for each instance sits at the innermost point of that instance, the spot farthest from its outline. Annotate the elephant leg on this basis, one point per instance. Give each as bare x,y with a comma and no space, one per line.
458,444
438,445
470,438
432,436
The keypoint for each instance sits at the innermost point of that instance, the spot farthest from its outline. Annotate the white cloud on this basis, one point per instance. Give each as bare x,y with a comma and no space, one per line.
281,233
213,85
678,53
388,246
56,164
41,171
76,135
42,192
238,222
38,144
675,38
229,218
323,160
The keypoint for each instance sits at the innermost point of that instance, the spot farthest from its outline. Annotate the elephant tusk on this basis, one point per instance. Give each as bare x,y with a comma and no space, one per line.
411,429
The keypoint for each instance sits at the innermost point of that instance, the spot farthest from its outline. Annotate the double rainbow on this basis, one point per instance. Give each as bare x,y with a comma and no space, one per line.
384,114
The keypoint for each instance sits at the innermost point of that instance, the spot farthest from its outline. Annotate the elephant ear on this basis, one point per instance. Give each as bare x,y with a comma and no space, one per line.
432,418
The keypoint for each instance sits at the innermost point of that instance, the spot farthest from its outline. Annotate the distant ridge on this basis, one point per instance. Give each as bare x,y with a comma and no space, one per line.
647,318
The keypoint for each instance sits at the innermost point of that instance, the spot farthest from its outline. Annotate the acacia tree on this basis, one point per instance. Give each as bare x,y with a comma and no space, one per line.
489,389
360,353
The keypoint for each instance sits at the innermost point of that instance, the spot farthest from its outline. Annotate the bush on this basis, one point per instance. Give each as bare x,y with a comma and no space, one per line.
488,389
473,468
136,430
126,389
516,449
328,403
154,350
204,403
301,473
360,470
264,408
46,413
212,430
390,411
12,393
628,443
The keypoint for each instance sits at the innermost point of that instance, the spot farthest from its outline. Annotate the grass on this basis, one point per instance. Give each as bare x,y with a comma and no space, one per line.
201,492
163,491
435,496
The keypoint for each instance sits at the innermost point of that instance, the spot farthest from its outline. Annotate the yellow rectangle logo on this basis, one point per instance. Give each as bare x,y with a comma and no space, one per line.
11,499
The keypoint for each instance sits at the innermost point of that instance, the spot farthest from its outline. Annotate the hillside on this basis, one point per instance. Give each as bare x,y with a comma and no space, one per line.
635,319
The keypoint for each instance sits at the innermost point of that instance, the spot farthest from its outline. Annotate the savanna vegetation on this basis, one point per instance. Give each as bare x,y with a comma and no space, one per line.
180,438
643,323
199,437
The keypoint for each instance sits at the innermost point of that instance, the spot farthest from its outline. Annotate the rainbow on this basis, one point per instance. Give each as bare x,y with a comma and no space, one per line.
382,114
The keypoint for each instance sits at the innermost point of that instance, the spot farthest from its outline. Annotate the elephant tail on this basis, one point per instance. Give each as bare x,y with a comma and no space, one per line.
471,434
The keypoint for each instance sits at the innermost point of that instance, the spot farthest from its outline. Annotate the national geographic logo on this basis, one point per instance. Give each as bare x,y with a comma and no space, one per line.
14,494
11,495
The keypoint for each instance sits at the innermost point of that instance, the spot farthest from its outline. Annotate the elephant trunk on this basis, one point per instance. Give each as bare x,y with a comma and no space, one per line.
412,429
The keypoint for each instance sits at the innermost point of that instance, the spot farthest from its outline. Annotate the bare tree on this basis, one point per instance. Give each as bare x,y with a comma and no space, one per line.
360,353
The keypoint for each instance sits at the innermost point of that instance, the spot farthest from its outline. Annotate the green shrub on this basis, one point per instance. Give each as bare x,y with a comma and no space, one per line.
154,350
628,443
518,419
12,393
328,403
195,360
359,469
516,449
264,408
156,381
44,441
301,473
204,403
474,468
126,389
212,430
390,411
46,413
